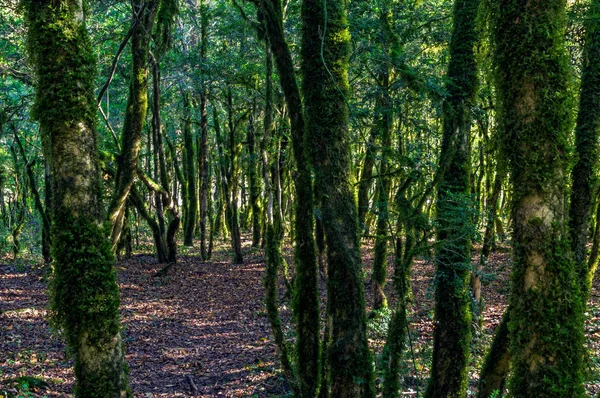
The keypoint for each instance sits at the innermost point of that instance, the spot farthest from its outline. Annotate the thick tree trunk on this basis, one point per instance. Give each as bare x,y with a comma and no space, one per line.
325,53
533,79
452,334
84,293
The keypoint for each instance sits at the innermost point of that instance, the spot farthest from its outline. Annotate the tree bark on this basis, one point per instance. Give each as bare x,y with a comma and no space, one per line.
84,293
455,210
191,198
306,296
532,84
135,114
587,132
325,51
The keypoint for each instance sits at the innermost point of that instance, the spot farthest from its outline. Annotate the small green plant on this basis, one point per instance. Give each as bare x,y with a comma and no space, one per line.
27,385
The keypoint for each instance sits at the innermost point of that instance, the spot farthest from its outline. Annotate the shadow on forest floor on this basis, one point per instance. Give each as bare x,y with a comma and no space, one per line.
202,330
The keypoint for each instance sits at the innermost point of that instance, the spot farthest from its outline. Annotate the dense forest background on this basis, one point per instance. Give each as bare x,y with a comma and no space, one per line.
310,198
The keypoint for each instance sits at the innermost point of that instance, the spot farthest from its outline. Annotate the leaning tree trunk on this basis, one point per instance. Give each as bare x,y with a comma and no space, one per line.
325,52
84,293
533,88
135,114
452,333
306,300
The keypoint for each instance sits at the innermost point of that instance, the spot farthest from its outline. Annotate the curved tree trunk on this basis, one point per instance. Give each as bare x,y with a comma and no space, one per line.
135,114
306,299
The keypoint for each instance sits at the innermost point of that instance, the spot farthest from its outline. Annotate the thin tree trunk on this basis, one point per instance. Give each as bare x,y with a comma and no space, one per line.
135,113
203,165
190,198
234,150
587,132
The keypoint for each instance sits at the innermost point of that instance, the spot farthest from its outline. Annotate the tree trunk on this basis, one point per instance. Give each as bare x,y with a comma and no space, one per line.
497,362
306,297
84,293
253,179
455,213
587,132
488,239
191,198
532,84
203,150
135,114
325,53
232,177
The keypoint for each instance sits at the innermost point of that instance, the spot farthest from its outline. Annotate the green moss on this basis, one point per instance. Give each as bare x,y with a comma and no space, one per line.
535,111
63,93
455,214
85,297
325,54
83,290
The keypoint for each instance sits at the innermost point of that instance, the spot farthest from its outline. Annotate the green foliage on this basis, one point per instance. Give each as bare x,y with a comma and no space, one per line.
49,25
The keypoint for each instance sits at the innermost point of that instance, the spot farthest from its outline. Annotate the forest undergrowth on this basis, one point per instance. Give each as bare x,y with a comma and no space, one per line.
202,331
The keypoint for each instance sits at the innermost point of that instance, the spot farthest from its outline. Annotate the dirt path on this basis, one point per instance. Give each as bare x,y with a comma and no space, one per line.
202,331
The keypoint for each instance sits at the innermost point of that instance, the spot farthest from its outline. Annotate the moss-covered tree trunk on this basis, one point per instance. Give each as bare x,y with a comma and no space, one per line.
325,52
203,165
384,124
587,132
306,296
84,293
366,177
253,178
452,334
233,179
532,81
191,197
135,113
497,362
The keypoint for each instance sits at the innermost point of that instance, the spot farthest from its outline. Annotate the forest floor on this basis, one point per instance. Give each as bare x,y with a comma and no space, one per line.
202,331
